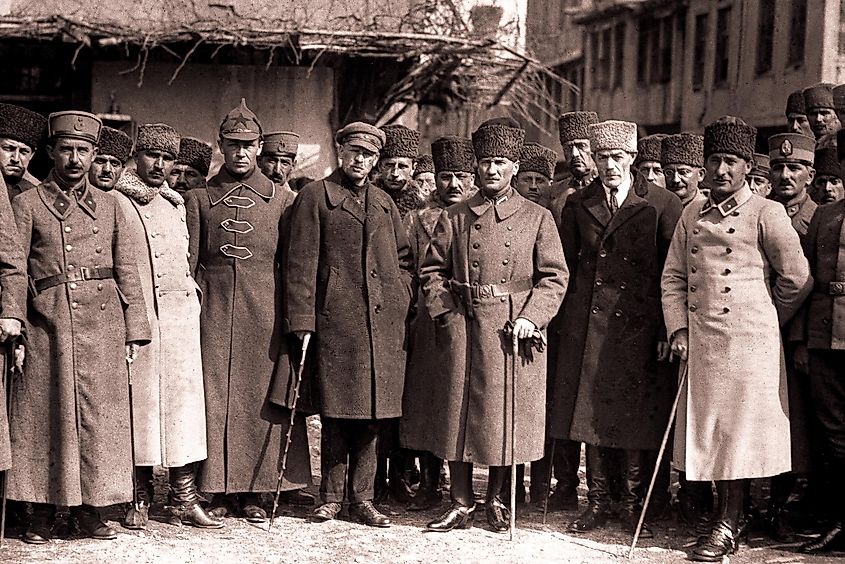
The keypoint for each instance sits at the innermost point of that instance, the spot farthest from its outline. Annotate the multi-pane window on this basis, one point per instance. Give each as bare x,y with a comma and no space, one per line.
723,45
619,55
699,49
765,35
654,49
797,32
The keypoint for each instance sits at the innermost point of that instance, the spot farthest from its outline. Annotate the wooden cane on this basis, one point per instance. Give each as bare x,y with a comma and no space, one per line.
135,503
10,370
660,453
549,481
305,340
513,436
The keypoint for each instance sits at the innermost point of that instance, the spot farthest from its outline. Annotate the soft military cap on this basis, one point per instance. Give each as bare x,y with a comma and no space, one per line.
760,166
158,137
21,124
114,143
241,124
613,135
682,148
791,147
360,134
453,154
280,144
575,125
74,124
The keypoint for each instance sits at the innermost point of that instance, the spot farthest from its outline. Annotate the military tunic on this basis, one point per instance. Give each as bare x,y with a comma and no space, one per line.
20,186
70,426
489,264
734,275
235,227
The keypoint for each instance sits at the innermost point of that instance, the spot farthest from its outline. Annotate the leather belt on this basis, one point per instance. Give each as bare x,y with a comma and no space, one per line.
486,291
81,274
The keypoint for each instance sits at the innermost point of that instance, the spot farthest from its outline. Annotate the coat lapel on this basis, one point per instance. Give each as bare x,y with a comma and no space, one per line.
634,203
222,184
378,203
337,195
595,202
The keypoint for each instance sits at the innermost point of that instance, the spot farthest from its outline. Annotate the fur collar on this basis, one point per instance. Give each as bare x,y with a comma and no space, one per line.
131,185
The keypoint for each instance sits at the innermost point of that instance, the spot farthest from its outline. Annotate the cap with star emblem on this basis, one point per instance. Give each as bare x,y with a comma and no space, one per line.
74,124
240,124
280,143
791,147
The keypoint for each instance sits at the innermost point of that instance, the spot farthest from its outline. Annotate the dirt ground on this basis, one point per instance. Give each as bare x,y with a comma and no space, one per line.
294,539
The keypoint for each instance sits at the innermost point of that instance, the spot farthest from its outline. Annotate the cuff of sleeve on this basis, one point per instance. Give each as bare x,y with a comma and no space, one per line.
300,323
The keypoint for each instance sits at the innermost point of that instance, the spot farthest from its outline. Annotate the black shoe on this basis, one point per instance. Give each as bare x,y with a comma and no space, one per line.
223,505
425,499
498,515
137,516
456,517
297,497
593,518
629,525
365,512
90,524
254,514
833,539
38,532
779,527
325,512
722,541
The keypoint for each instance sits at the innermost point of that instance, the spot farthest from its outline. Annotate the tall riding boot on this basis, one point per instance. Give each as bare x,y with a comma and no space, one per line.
138,515
695,500
777,517
632,492
460,513
380,487
520,485
834,537
396,482
498,515
724,537
428,493
598,493
184,500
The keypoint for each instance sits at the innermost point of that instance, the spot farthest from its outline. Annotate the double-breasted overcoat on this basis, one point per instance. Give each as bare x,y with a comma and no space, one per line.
610,389
487,265
167,387
235,227
348,272
70,412
734,275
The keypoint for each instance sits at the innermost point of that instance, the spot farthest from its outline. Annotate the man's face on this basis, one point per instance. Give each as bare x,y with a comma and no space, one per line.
579,157
71,158
530,184
105,171
357,162
682,180
829,188
798,123
791,179
453,187
725,173
822,121
614,166
760,185
154,166
653,172
426,182
495,173
184,177
239,157
396,171
14,158
276,167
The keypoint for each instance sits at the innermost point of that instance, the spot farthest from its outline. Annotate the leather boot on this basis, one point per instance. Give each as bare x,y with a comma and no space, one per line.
397,485
428,493
723,539
460,490
777,517
40,529
520,486
498,514
834,537
184,501
632,493
90,524
137,516
598,494
695,501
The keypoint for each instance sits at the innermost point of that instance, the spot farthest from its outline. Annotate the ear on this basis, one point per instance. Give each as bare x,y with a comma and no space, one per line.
812,176
515,168
50,152
220,144
260,145
748,168
701,173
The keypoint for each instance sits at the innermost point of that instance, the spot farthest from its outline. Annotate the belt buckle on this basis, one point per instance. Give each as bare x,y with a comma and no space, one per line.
85,272
836,288
485,291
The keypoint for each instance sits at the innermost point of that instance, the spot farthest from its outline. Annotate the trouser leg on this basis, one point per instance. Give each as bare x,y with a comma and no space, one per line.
598,493
363,451
334,456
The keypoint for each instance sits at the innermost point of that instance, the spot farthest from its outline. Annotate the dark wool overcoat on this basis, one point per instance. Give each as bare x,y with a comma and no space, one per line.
12,305
70,412
513,245
348,279
610,390
234,227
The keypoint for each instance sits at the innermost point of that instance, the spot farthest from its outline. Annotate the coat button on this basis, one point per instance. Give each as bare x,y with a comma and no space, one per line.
507,243
153,235
622,286
731,230
183,219
510,228
99,287
477,226
617,313
476,245
95,229
735,214
98,250
729,250
503,299
505,261
188,274
74,305
157,254
692,288
599,282
825,321
696,231
693,269
147,215
70,267
159,275
377,308
68,247
103,307
726,272
595,309
475,264
694,250
726,310
373,274
67,228
72,285
693,307
502,280
727,289
602,253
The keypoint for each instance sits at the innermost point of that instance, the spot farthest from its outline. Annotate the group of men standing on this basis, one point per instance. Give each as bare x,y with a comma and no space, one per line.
496,317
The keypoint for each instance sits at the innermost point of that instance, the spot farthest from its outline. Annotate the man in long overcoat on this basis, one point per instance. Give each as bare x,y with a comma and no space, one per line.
70,426
167,387
454,177
494,260
613,391
734,275
347,272
235,224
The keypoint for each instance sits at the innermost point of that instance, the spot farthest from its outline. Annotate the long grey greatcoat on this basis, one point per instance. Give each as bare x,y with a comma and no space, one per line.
610,390
70,424
167,386
348,279
515,246
734,275
12,305
235,227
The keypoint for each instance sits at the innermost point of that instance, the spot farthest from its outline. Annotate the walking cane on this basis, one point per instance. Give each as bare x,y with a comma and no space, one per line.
662,450
513,435
549,482
305,341
11,368
135,504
